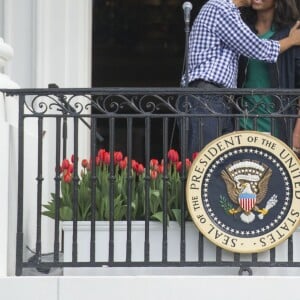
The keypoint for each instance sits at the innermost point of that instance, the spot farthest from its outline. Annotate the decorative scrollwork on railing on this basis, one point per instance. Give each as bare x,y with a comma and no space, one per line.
39,104
153,103
139,104
272,105
157,103
78,104
50,104
206,104
109,104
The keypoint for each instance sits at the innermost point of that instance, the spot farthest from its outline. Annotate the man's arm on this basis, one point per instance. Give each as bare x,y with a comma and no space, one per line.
237,36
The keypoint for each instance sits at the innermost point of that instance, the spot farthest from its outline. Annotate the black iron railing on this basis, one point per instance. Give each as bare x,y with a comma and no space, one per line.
141,124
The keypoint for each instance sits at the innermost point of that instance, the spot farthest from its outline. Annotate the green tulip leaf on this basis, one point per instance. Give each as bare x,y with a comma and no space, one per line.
177,214
66,213
159,217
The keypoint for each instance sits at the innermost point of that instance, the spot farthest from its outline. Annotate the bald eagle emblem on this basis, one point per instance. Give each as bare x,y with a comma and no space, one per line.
247,185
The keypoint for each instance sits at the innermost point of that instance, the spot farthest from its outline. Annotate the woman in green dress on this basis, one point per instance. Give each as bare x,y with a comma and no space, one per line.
271,19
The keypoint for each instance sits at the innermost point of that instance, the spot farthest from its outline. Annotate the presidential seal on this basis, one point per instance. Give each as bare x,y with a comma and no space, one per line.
243,191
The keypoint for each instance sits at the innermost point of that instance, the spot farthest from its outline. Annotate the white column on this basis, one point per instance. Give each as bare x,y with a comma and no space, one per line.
63,42
7,117
63,56
52,44
63,51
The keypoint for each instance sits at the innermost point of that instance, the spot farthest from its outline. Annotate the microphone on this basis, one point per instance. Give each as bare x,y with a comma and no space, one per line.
187,7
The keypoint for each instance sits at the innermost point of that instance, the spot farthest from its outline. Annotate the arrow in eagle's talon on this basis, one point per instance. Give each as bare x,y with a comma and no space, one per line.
271,203
263,211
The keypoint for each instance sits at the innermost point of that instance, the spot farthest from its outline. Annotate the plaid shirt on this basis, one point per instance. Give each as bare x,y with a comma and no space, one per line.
217,38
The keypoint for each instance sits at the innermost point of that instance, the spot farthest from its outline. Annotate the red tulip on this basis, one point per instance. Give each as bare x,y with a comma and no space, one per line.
173,156
84,163
153,174
71,168
188,163
194,155
65,164
160,169
106,158
153,163
140,169
118,156
123,164
101,154
178,166
134,165
67,178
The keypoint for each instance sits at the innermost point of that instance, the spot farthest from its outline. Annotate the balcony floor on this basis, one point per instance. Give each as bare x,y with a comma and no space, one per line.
148,287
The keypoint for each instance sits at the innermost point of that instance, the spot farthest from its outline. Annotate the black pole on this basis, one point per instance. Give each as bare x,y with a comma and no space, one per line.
187,7
184,80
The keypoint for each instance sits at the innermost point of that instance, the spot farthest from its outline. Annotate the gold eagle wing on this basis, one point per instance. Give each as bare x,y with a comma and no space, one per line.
231,187
263,186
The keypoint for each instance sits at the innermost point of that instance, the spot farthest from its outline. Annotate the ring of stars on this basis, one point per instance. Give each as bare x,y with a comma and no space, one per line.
258,231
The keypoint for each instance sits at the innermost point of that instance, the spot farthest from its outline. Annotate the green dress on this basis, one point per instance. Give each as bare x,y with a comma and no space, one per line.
257,77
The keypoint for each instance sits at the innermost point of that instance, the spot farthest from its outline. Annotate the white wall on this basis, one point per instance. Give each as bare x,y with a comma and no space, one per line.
52,44
4,154
51,40
8,105
21,68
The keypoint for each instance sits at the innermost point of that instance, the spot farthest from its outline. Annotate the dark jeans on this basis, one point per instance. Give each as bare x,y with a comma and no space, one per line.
202,130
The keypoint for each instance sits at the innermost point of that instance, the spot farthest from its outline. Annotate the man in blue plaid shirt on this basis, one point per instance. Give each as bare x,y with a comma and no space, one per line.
217,39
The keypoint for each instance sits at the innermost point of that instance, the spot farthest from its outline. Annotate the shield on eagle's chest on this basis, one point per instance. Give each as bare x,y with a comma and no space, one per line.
247,201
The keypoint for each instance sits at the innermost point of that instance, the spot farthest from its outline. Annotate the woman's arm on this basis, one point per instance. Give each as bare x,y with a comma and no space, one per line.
296,132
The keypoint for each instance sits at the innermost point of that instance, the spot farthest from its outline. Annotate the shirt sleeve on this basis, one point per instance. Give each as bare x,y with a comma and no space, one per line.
237,36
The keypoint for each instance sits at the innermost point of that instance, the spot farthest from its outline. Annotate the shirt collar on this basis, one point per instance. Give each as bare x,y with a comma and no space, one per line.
232,5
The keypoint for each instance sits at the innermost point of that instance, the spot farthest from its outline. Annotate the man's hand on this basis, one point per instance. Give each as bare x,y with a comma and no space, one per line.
295,33
292,40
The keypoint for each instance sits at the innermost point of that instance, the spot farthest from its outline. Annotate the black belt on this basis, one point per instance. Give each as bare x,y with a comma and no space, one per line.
197,82
200,83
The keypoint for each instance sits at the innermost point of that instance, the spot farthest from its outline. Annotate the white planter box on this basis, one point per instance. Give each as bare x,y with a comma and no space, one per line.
137,237
155,232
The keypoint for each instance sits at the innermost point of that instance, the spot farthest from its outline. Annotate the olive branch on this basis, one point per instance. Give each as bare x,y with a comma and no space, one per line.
225,204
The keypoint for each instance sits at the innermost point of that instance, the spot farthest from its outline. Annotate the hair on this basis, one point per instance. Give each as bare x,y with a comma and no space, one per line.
286,14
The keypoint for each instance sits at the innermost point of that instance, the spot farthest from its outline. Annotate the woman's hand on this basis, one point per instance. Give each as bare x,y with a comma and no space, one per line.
296,138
